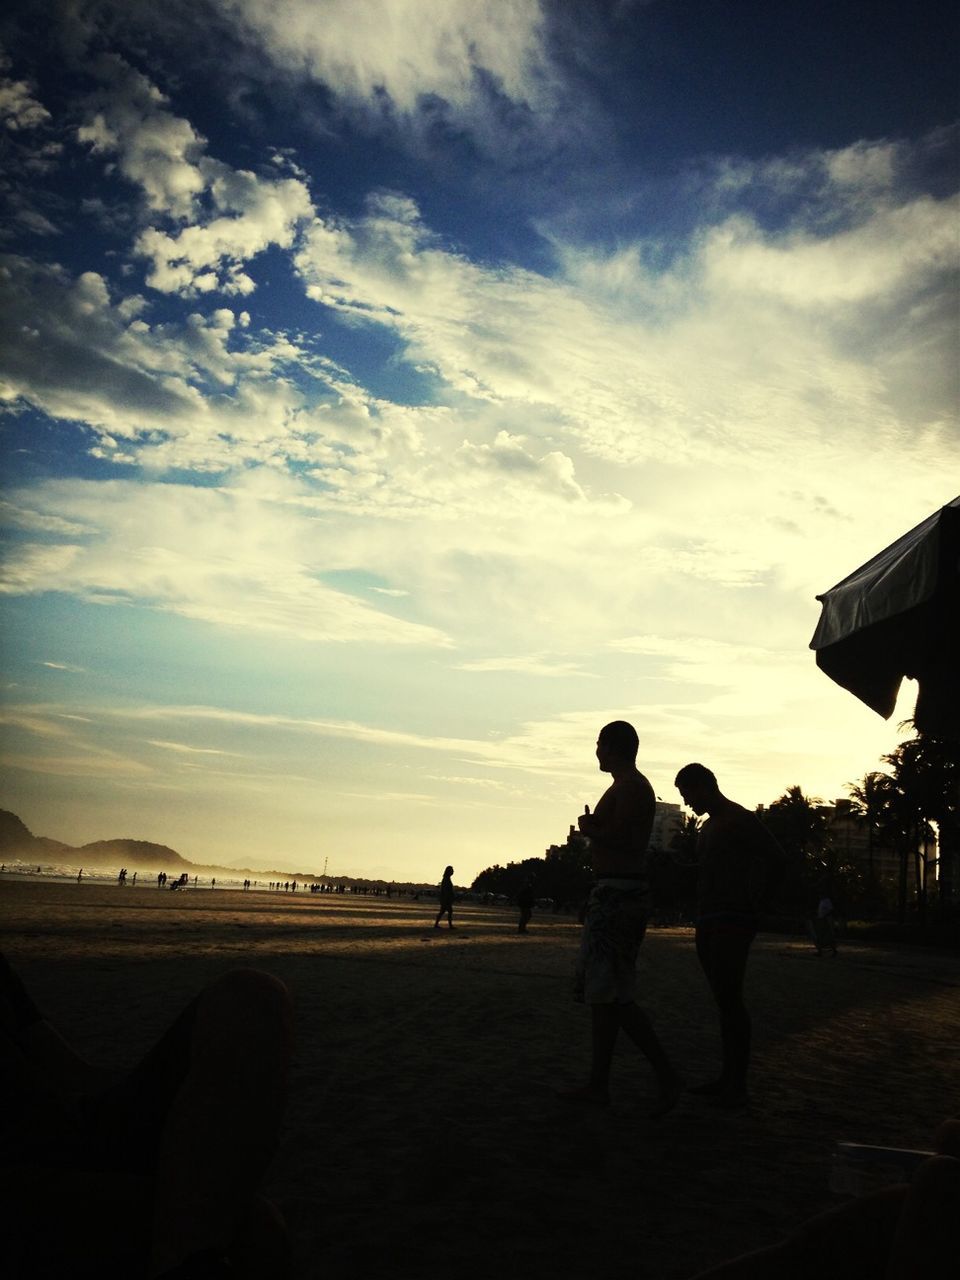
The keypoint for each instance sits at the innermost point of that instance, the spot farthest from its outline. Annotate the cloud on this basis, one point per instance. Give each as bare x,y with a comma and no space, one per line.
399,55
228,559
211,392
183,749
18,108
199,393
553,747
69,350
529,665
31,150
231,215
155,150
850,267
751,341
208,258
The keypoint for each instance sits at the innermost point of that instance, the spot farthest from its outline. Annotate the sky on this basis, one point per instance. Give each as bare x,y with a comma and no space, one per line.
395,392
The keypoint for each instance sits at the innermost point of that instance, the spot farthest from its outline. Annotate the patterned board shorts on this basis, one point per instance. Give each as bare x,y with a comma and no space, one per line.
613,928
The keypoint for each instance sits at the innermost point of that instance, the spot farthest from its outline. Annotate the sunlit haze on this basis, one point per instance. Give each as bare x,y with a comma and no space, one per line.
397,392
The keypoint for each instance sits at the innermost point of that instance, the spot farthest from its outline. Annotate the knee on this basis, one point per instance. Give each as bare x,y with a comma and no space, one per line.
248,998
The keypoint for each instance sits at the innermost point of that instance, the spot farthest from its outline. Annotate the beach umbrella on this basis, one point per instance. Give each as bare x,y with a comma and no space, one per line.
899,615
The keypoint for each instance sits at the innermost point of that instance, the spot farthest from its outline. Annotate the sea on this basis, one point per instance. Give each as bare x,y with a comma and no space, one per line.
61,873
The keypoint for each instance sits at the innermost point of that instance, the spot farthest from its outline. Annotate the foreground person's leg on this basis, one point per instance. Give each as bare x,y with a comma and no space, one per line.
222,1127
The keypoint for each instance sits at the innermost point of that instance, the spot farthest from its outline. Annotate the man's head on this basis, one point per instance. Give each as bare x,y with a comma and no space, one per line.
617,744
698,786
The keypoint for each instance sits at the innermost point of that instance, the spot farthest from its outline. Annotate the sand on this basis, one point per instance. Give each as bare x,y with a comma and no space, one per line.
423,1136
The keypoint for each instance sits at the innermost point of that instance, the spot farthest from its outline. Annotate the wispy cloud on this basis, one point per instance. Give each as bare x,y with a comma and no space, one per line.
183,748
202,554
398,57
526,666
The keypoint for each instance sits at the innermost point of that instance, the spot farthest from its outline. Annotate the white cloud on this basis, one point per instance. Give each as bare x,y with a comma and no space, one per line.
183,748
231,215
897,250
714,355
155,150
528,665
393,54
223,558
208,257
70,350
18,107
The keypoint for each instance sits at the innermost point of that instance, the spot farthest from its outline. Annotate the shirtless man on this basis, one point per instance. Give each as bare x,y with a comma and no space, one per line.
616,920
736,855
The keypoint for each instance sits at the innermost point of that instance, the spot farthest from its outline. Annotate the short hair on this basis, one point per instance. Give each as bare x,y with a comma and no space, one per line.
695,773
622,738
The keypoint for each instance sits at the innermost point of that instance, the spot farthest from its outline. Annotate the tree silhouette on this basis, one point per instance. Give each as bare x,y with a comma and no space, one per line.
923,787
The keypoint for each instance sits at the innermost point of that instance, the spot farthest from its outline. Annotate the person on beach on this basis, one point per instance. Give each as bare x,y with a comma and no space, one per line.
446,899
184,1171
525,902
738,859
616,919
824,930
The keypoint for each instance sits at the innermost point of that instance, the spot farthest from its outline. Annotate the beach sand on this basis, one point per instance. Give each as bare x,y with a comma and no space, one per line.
423,1135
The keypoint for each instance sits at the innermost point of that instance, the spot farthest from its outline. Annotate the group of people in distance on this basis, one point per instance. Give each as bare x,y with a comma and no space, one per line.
737,860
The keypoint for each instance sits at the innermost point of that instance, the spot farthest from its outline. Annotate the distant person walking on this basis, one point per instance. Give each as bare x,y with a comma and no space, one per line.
737,858
446,899
616,920
525,902
824,927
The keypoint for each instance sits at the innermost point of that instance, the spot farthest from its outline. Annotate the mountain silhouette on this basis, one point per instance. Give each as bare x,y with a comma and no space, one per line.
17,840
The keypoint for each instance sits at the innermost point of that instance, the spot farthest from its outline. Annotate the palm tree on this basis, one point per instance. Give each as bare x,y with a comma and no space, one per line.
926,781
683,841
867,804
799,823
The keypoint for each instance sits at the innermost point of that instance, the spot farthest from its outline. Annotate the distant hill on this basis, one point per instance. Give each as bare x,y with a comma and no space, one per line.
17,840
13,833
136,852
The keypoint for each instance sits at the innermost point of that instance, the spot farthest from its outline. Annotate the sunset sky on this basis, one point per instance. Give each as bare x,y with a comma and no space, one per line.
397,390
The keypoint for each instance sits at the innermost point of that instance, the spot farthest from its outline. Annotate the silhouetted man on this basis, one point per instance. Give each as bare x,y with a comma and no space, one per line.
616,919
737,856
525,902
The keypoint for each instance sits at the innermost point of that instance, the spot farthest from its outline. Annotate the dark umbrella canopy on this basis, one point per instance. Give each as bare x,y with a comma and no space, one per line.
899,615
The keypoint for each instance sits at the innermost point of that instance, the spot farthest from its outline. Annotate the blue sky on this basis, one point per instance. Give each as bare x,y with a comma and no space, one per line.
395,392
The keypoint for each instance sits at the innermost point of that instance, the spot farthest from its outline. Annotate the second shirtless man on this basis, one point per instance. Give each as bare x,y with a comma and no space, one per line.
616,920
